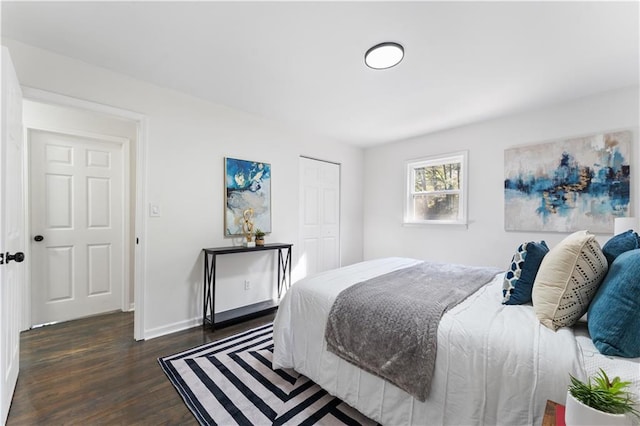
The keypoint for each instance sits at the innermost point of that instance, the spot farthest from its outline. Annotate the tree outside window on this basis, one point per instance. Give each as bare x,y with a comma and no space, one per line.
436,190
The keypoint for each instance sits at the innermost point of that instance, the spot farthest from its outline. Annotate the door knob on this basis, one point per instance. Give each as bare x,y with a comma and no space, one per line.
38,238
18,257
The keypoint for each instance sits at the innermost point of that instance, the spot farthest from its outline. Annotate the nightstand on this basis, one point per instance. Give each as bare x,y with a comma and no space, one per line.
553,414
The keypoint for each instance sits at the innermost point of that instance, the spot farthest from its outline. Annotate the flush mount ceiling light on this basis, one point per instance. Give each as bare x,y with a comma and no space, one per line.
384,55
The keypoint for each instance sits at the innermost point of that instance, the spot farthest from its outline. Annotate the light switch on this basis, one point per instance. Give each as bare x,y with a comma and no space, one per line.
154,210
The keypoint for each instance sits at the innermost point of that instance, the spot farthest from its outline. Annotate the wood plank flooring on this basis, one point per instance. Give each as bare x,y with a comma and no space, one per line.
91,371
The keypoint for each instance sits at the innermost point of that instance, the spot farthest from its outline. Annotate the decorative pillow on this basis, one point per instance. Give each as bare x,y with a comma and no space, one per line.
568,277
619,244
518,280
614,314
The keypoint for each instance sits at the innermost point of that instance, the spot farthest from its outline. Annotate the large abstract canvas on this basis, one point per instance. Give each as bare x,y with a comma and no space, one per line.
569,185
247,187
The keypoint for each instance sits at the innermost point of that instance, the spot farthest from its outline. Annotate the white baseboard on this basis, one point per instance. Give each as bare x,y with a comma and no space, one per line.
172,328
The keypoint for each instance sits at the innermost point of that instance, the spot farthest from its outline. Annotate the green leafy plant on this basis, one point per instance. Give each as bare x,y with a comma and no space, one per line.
609,396
259,234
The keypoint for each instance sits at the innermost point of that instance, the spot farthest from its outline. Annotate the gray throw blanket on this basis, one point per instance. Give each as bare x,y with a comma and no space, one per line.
388,325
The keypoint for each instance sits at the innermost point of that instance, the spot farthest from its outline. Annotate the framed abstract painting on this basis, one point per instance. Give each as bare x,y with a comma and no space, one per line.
247,189
568,185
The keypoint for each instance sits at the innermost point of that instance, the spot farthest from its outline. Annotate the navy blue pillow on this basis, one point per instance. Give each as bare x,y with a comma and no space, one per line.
518,280
614,313
620,243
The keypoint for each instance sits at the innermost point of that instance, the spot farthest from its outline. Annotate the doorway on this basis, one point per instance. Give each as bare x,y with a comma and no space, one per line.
319,216
109,134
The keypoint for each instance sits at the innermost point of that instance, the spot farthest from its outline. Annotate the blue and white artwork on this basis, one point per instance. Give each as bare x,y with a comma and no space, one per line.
247,186
569,185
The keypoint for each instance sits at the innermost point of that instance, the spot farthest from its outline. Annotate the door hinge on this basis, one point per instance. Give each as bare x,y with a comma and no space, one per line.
1,258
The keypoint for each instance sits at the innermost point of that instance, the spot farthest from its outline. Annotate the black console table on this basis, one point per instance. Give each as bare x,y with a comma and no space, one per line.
244,312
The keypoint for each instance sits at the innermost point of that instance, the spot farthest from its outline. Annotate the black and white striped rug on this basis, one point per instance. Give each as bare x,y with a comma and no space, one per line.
231,382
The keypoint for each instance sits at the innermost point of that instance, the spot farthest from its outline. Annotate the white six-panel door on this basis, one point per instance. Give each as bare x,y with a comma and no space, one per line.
319,215
77,208
11,232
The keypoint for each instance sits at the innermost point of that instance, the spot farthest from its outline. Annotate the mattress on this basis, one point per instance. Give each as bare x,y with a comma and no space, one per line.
495,364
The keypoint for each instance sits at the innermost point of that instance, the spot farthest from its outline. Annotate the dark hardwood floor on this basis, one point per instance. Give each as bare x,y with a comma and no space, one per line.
91,371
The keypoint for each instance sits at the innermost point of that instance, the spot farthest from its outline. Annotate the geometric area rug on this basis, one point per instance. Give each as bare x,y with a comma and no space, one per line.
231,381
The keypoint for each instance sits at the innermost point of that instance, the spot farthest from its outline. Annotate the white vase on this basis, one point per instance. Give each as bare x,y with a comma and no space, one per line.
578,414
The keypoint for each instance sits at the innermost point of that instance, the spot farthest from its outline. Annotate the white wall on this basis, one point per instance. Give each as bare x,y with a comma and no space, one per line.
187,141
484,242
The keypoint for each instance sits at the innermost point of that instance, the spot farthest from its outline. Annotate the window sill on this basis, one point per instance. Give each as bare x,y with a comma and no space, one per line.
447,223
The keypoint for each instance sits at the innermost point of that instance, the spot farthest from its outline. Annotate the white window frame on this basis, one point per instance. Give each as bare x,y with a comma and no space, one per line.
411,165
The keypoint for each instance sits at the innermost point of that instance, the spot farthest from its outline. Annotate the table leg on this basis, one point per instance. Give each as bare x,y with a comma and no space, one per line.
209,288
205,290
282,271
289,261
213,291
279,269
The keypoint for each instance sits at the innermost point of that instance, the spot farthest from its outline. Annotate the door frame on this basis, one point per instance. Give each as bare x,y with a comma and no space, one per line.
140,225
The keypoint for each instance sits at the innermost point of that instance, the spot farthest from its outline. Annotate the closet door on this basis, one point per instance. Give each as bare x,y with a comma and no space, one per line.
319,247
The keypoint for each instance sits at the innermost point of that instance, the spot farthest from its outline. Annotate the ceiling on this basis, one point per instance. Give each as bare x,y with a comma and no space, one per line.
302,63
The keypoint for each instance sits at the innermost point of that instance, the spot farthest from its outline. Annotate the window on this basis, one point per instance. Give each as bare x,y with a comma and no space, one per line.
436,190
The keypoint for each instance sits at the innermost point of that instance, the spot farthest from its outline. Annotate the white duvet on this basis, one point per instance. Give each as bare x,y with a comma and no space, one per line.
495,364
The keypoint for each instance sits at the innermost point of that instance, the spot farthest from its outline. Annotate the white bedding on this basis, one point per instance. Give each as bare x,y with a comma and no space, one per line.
496,364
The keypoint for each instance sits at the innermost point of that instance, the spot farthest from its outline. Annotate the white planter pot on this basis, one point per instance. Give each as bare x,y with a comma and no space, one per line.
578,414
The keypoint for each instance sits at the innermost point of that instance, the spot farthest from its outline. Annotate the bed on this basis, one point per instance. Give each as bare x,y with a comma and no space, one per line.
495,364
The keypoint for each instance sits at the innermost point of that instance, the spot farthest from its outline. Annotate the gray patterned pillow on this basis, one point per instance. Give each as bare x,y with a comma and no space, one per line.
568,279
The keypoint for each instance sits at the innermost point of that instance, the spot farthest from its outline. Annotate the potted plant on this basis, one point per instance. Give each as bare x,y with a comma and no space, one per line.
601,402
259,237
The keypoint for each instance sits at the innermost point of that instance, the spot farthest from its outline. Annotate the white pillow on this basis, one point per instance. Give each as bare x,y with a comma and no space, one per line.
567,280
